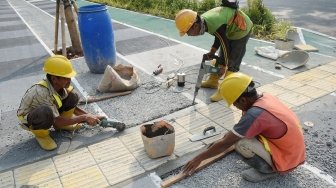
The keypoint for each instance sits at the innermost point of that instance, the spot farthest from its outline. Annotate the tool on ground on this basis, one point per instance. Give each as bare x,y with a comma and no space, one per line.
111,123
206,67
170,181
91,99
181,79
158,70
207,133
170,79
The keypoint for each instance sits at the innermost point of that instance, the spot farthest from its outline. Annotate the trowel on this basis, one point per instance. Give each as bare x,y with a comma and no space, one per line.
207,133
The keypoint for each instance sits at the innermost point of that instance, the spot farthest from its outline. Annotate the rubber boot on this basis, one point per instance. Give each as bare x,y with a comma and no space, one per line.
211,82
44,140
259,163
217,96
254,176
73,127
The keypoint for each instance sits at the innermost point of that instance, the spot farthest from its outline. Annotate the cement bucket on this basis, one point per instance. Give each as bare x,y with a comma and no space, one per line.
158,139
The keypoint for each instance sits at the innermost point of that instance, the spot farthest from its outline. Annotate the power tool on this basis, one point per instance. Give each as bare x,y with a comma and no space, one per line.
111,123
206,67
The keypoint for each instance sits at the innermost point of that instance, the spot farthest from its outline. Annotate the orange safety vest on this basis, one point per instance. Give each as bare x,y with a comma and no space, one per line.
289,151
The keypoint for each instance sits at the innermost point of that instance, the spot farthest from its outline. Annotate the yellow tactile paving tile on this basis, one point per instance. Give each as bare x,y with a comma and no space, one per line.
6,179
132,141
331,78
214,110
227,121
182,143
324,84
311,91
107,150
195,122
303,78
318,73
288,84
73,161
55,183
273,89
328,68
332,63
295,99
118,173
35,173
87,177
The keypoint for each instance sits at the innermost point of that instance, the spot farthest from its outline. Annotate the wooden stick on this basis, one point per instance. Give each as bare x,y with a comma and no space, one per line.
56,26
91,99
64,53
72,27
203,164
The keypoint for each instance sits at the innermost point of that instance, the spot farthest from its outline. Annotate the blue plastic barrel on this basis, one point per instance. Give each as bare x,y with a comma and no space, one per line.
97,37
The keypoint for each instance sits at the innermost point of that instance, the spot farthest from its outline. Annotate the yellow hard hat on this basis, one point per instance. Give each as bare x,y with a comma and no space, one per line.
184,19
59,65
233,86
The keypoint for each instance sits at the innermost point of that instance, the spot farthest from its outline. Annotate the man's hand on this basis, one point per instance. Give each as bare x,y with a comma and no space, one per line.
92,119
209,56
191,166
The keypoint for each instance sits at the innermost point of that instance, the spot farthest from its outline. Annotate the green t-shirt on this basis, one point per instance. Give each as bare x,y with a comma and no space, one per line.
218,16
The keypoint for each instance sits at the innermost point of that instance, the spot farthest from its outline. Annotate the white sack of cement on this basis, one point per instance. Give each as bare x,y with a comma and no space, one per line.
270,52
119,78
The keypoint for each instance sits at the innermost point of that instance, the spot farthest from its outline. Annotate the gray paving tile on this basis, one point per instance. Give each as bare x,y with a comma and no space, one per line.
7,11
25,51
128,33
15,34
10,23
12,18
19,41
13,27
141,44
118,26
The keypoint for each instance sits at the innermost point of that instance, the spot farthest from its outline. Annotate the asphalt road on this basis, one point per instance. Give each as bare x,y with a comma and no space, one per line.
310,14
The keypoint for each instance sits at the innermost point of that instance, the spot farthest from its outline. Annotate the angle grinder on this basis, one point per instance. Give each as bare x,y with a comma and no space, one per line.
111,123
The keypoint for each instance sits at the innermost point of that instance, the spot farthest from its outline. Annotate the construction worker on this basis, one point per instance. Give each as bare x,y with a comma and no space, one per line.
268,135
231,28
53,102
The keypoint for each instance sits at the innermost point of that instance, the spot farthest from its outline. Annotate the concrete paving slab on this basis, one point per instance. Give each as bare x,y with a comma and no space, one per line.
10,23
118,26
73,161
10,19
7,179
25,51
11,100
34,16
127,33
141,44
36,173
18,41
13,27
88,177
56,183
11,34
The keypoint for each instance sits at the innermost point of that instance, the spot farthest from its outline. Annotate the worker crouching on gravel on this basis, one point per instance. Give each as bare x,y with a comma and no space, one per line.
268,135
231,28
53,102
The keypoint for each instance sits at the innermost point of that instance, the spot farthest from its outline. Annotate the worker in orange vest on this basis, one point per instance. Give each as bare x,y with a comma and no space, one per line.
53,102
231,28
268,135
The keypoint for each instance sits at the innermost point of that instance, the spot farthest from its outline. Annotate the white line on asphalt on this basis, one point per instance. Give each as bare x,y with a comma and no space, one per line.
318,33
74,80
319,173
263,70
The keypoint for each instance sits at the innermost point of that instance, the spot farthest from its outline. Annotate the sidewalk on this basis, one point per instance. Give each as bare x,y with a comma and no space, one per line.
117,159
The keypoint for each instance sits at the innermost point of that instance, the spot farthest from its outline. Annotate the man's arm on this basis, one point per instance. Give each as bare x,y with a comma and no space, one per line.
218,147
